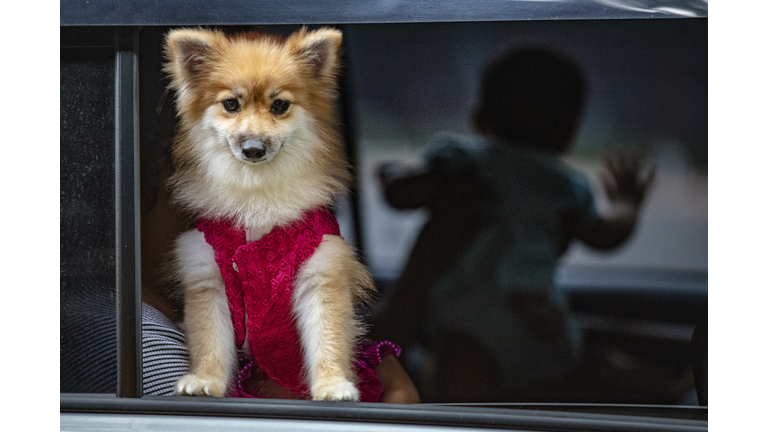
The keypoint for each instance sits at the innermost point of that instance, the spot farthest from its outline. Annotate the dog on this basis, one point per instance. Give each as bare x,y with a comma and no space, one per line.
258,159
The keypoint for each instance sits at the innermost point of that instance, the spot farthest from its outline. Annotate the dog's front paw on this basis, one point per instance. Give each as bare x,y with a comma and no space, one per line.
341,391
192,385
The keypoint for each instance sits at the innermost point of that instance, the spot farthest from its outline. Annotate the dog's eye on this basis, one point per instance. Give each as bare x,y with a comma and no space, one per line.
280,106
231,105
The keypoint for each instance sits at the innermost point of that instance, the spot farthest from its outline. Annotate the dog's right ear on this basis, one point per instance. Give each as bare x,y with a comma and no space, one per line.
188,51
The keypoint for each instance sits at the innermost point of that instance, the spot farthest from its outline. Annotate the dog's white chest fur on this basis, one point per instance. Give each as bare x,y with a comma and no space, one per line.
257,232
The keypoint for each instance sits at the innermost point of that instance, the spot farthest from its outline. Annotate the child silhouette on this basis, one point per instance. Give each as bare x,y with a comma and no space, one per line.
478,287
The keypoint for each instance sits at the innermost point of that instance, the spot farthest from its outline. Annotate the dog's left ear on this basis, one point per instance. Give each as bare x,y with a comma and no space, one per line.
319,48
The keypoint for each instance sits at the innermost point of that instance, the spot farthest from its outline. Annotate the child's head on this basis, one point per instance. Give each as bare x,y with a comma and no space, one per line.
533,97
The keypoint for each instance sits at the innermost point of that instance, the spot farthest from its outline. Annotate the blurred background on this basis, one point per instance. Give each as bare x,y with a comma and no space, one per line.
648,90
638,305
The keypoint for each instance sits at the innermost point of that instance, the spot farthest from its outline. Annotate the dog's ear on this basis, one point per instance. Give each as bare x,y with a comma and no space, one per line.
319,49
189,50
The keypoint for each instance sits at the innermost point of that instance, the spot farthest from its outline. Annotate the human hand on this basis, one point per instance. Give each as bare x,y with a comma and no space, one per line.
398,387
622,179
626,188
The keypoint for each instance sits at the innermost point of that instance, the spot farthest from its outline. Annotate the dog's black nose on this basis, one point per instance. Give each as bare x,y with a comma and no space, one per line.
254,150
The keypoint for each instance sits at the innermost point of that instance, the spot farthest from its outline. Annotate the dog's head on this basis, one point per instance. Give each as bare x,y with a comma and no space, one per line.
253,93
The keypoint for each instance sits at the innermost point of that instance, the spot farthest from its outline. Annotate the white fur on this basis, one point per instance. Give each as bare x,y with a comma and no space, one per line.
255,233
308,308
193,385
275,192
200,276
343,391
196,261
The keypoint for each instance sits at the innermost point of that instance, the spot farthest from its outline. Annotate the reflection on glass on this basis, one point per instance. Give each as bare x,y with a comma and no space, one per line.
647,85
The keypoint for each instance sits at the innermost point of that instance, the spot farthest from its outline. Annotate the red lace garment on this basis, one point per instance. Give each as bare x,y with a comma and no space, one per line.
258,278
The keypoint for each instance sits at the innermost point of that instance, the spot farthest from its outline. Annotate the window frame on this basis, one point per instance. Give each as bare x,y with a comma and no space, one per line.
124,23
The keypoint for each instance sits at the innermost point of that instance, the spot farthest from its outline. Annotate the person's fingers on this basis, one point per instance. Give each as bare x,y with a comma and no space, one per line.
610,185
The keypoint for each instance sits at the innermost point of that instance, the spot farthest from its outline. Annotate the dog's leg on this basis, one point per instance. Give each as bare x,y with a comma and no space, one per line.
210,336
327,287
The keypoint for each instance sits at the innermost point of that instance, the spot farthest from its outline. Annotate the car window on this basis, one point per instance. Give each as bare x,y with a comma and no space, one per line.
634,308
87,212
647,89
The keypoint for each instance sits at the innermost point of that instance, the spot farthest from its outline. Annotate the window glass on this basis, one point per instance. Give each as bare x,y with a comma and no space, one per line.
647,92
647,89
87,218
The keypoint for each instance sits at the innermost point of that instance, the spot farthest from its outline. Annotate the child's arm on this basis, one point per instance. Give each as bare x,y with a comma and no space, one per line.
456,193
398,387
409,187
626,191
451,200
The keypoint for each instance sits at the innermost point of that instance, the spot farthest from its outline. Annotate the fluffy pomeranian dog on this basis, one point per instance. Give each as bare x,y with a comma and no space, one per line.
258,160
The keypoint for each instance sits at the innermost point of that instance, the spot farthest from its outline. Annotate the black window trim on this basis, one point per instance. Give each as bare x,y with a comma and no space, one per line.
238,12
541,417
127,216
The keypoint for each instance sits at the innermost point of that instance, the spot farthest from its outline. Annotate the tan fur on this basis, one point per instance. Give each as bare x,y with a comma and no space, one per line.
304,168
327,288
308,173
211,360
210,336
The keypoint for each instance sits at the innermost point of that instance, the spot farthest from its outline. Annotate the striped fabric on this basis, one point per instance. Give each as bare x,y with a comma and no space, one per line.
164,352
87,344
87,358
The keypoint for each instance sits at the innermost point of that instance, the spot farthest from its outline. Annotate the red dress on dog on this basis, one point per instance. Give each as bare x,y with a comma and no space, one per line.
258,278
